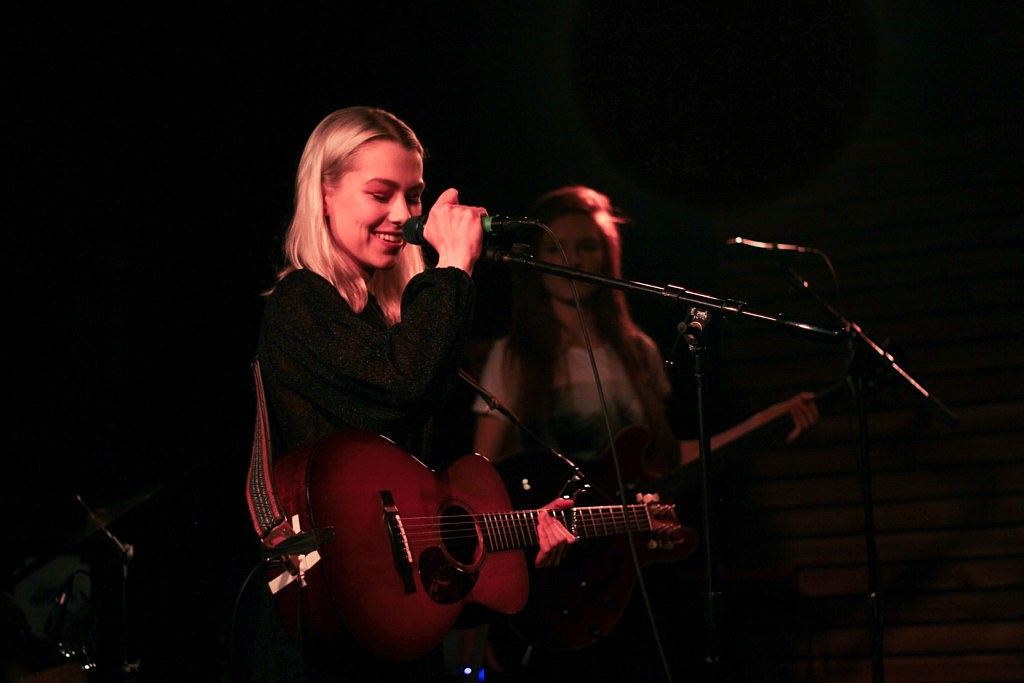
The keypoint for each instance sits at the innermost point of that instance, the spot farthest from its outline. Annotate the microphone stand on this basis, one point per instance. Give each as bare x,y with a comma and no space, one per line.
693,332
861,348
698,319
578,477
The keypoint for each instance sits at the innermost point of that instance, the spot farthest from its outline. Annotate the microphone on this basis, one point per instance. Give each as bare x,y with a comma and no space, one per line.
769,246
493,226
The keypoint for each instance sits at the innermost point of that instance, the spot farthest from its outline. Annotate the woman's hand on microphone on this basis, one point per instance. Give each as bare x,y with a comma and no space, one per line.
455,231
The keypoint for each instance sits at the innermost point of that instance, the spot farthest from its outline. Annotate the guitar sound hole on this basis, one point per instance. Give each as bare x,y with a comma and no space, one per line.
460,536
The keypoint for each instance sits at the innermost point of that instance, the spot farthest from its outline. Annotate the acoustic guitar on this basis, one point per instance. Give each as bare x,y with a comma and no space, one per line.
412,547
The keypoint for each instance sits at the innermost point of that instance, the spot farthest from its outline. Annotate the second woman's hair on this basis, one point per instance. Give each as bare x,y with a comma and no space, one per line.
534,351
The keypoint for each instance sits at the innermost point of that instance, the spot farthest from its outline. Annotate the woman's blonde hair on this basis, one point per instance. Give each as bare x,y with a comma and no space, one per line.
327,157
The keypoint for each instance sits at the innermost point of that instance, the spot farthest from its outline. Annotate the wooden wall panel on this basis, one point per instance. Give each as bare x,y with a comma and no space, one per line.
922,218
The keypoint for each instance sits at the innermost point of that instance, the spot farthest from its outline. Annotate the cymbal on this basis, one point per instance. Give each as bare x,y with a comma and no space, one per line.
49,546
100,518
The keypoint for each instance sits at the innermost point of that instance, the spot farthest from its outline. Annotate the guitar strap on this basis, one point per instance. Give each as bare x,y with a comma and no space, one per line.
265,509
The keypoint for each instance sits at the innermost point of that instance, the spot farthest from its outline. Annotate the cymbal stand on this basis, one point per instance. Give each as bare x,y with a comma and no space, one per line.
126,553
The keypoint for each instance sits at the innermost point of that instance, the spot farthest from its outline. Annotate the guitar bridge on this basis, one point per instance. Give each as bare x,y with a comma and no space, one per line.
398,541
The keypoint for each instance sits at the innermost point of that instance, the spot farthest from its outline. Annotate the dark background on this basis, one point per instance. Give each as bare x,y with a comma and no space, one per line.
150,154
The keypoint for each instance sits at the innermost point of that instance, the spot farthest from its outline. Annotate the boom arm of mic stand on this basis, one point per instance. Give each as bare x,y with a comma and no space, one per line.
856,333
676,293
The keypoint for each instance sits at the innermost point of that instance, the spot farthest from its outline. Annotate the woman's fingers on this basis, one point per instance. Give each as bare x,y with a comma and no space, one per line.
552,536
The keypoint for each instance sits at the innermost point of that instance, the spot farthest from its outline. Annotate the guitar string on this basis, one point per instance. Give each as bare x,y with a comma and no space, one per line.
470,530
504,538
506,526
612,515
638,511
500,520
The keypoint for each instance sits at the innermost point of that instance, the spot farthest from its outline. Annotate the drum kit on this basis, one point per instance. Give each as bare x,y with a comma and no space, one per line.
52,629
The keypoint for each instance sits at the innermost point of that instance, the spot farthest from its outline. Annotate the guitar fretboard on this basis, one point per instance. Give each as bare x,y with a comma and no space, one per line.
518,528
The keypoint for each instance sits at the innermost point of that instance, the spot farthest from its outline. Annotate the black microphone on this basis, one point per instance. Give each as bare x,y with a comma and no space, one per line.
770,246
493,226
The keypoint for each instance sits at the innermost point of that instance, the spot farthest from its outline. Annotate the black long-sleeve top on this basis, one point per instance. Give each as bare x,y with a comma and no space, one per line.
327,368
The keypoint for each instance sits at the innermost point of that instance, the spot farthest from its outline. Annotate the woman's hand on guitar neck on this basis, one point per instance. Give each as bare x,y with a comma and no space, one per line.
801,408
803,411
663,539
553,537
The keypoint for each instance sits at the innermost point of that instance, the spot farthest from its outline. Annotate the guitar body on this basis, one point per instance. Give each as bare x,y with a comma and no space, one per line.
579,601
404,561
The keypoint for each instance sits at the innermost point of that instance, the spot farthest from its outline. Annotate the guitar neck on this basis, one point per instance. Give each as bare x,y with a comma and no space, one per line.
767,416
749,425
518,529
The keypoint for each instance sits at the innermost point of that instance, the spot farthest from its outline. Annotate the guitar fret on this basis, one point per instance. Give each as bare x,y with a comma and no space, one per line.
515,529
593,519
498,536
488,532
503,527
510,530
609,520
503,521
528,530
506,531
